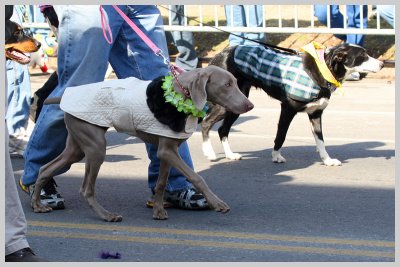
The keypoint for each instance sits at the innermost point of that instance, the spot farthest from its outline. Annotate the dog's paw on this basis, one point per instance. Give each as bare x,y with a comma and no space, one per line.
277,157
218,205
112,217
159,214
211,156
40,208
234,156
332,162
208,151
221,207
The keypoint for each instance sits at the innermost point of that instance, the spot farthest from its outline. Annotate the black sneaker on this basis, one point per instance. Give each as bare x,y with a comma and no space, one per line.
48,195
23,255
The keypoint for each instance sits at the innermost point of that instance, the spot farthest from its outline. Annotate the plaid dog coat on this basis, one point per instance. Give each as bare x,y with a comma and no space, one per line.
276,69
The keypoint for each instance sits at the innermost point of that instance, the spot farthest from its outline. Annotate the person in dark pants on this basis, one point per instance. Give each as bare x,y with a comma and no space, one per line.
183,40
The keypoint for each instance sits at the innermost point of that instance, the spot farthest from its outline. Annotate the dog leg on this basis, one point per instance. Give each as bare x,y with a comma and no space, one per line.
286,117
208,150
316,128
216,114
168,151
92,170
91,139
223,133
94,159
277,157
159,212
71,154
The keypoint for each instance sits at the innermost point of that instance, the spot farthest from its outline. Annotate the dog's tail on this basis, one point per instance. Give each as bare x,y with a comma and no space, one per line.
53,100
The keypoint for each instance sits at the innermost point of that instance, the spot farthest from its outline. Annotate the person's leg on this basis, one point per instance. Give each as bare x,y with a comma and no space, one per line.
254,15
82,59
235,16
387,13
187,58
320,11
354,21
16,246
142,63
130,56
15,222
19,96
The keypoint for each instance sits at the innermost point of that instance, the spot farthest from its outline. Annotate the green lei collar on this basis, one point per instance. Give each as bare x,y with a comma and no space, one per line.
176,99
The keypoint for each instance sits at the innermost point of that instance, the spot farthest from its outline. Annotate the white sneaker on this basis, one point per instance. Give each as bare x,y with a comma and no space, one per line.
354,76
17,142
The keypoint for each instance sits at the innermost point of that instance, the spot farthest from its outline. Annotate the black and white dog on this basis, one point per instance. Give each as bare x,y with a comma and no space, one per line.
251,67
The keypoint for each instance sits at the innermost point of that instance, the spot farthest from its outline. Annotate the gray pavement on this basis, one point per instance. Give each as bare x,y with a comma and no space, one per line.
293,212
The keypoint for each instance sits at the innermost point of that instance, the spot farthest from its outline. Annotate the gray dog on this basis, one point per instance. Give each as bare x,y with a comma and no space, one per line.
138,108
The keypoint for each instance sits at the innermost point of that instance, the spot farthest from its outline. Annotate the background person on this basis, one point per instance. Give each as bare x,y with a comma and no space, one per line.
244,16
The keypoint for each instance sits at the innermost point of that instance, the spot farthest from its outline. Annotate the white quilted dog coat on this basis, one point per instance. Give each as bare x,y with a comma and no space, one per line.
120,104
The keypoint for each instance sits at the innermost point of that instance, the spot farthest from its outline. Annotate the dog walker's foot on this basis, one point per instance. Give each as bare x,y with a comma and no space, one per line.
332,162
159,214
234,156
277,157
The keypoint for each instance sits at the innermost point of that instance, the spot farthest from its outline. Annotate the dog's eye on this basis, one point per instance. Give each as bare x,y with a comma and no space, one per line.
360,59
28,32
19,34
228,84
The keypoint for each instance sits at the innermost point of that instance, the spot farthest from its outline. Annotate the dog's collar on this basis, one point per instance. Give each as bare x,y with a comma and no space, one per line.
178,100
317,50
331,87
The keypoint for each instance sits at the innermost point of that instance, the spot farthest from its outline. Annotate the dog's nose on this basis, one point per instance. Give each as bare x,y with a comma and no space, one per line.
38,44
381,64
250,106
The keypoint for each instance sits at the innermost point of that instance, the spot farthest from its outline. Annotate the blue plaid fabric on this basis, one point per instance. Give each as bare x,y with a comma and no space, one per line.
278,70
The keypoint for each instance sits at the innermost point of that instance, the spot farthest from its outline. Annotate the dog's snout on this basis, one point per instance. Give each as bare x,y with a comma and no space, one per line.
250,106
38,44
381,64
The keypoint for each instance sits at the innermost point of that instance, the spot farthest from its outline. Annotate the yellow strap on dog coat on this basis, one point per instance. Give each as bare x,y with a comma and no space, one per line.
316,50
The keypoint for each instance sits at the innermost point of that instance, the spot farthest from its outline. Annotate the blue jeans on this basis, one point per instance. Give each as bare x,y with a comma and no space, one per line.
387,13
83,56
187,58
18,96
353,20
244,16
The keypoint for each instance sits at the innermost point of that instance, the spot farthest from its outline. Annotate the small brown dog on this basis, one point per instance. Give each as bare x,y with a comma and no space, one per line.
91,109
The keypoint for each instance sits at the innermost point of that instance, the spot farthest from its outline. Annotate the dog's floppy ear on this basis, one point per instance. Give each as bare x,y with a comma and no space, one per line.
195,81
198,91
340,56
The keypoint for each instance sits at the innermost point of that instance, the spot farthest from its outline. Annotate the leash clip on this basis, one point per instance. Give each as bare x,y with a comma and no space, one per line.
175,70
161,54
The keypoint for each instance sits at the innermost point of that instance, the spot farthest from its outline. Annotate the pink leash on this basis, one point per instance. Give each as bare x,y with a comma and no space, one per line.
174,69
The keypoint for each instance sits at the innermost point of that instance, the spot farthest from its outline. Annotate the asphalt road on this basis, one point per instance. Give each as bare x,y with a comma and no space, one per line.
299,211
